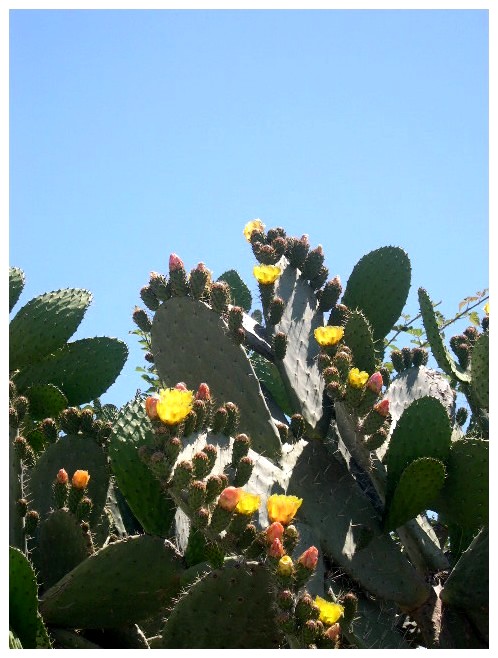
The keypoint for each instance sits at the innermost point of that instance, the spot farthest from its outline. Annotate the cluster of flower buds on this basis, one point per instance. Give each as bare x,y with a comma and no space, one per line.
407,358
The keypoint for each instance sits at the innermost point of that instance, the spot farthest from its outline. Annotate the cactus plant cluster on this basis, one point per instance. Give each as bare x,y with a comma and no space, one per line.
276,487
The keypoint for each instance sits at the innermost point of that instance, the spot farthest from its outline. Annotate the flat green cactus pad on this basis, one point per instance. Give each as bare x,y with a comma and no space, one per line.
45,324
268,374
23,601
82,370
299,369
60,546
464,499
45,401
418,487
132,429
16,285
359,338
378,287
72,452
424,430
229,608
439,349
480,370
122,583
468,583
240,293
191,344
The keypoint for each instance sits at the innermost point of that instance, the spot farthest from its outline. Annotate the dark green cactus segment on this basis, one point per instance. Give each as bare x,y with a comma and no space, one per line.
268,374
374,626
82,370
468,584
229,608
122,583
480,370
72,453
417,489
464,499
358,336
152,508
378,287
191,343
60,547
240,293
439,350
45,324
380,567
23,599
299,369
45,401
16,285
424,430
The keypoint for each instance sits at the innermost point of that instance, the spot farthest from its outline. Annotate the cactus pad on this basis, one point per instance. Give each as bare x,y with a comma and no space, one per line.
83,370
465,497
424,430
439,350
299,369
45,401
229,608
378,287
16,285
240,293
122,583
359,338
480,370
132,429
72,452
468,583
269,375
190,343
45,324
417,488
23,601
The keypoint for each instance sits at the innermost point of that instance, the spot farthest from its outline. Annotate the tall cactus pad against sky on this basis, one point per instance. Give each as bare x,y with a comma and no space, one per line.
378,287
190,343
16,285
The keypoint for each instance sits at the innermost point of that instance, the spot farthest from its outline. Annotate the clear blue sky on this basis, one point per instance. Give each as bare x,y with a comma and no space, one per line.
134,134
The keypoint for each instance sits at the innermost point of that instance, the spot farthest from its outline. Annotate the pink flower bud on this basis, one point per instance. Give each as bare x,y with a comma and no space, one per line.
333,631
181,386
309,558
274,531
150,407
276,549
229,498
203,392
375,382
382,408
62,477
175,263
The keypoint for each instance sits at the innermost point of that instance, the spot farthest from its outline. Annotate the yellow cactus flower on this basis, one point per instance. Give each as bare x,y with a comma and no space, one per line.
329,612
282,508
285,566
248,503
266,273
253,225
174,405
357,378
328,335
486,308
80,479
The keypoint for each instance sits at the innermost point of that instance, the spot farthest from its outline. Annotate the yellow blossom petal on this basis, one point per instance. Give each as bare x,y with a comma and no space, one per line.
253,225
329,612
266,273
282,508
80,479
285,566
328,335
174,405
486,308
357,378
248,503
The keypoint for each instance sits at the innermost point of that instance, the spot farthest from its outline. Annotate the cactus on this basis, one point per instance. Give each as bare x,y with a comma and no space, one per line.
286,484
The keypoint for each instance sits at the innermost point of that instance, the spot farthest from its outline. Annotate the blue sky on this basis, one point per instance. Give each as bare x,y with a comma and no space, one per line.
134,134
